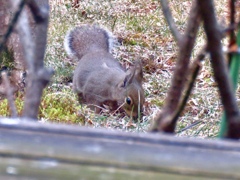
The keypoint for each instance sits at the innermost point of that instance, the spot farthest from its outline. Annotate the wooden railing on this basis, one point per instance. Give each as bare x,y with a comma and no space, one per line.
50,151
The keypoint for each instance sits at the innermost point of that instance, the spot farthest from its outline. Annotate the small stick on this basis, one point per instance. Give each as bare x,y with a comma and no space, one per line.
190,126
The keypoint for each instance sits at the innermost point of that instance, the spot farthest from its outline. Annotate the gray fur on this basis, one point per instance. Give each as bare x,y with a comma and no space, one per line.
99,78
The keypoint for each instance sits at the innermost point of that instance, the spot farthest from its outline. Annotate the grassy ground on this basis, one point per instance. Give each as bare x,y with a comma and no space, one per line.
142,28
144,34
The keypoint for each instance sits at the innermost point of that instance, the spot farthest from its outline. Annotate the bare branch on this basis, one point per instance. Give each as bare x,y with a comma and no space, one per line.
163,121
220,68
12,25
38,76
232,37
168,15
25,35
194,70
9,93
232,21
39,14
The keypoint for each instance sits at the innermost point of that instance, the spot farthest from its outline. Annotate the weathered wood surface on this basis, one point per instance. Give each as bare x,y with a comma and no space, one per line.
30,150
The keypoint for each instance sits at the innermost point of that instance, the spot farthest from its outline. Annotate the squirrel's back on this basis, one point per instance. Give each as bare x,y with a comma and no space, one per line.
85,39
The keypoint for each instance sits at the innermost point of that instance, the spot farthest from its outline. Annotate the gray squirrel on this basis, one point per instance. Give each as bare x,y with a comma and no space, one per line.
99,79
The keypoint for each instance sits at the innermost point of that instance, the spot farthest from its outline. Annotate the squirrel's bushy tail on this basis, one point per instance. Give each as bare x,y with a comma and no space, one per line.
86,38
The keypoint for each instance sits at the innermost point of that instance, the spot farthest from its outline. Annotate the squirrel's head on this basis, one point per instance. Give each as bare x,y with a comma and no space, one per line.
132,91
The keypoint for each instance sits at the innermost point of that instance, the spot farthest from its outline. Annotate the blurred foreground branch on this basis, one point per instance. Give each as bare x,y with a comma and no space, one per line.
220,68
9,94
38,76
34,49
163,121
11,25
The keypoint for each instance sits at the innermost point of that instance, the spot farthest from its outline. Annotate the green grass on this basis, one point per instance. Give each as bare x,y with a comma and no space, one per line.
6,59
61,107
144,34
4,108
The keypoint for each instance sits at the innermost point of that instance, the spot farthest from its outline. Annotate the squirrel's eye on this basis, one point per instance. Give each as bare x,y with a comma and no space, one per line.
128,100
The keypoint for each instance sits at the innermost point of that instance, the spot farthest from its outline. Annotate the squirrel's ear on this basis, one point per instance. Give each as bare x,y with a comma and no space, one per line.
138,71
134,73
128,78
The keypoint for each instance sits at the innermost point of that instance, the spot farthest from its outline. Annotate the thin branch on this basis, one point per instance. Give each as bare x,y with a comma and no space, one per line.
232,37
168,16
195,68
39,14
12,25
220,68
25,36
230,28
9,93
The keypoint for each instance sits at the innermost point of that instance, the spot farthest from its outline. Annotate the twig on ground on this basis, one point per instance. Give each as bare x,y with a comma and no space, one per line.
190,126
